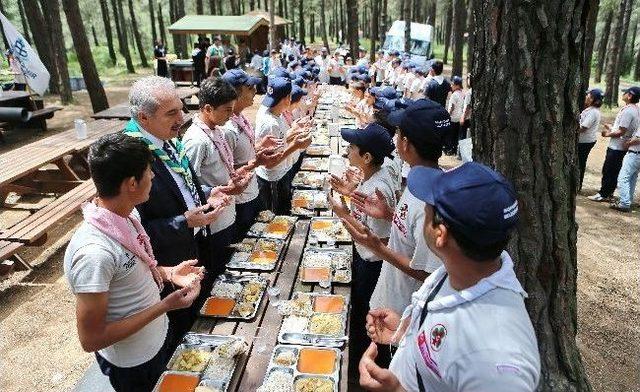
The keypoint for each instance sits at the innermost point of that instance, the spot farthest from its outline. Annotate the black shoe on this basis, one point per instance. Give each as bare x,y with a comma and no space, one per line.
618,207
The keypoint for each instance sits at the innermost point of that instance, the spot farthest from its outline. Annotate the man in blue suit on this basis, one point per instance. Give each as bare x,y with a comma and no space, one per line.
179,208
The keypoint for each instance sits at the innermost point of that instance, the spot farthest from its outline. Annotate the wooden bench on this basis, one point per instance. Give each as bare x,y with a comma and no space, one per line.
32,230
41,116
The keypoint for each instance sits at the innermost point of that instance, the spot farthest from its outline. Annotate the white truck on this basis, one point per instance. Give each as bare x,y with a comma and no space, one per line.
421,38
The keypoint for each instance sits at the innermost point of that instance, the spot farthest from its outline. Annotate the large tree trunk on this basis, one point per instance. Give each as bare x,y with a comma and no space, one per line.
406,16
636,69
23,20
612,58
344,29
323,23
51,8
431,19
518,119
125,40
163,33
312,26
459,21
199,7
301,32
152,18
471,27
383,21
590,38
623,44
447,32
632,47
116,20
4,38
85,58
106,19
252,5
602,47
352,27
136,33
212,7
42,40
375,22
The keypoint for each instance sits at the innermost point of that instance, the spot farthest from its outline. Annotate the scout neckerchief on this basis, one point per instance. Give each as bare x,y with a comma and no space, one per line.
179,164
245,126
288,117
218,140
116,227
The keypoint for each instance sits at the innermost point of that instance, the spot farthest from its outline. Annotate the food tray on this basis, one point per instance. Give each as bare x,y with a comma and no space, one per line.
315,164
304,306
222,354
309,180
293,367
328,230
231,291
305,202
278,228
320,139
335,261
256,254
318,150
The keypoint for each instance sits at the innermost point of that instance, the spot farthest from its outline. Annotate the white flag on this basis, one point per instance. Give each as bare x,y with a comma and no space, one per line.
34,71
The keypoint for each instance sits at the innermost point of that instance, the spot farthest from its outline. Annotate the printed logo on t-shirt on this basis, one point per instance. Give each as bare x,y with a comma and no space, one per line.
131,261
438,333
399,217
426,354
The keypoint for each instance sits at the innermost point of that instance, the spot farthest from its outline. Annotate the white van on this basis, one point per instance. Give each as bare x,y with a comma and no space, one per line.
420,40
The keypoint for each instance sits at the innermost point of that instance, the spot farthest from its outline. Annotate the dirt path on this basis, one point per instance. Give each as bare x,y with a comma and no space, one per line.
39,349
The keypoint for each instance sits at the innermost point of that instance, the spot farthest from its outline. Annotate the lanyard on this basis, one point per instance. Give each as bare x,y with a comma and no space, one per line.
423,316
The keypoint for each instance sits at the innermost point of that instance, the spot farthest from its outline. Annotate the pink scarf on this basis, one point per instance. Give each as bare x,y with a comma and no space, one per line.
116,227
245,126
219,141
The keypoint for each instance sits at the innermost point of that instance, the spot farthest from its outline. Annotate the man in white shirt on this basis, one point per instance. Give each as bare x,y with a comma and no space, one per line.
447,339
114,275
455,108
626,123
589,123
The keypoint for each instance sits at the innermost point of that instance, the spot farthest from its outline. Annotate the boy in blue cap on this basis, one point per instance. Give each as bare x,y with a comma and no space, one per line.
367,150
272,179
467,328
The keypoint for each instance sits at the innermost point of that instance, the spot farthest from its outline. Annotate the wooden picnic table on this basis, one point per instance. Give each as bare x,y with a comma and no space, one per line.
12,95
121,111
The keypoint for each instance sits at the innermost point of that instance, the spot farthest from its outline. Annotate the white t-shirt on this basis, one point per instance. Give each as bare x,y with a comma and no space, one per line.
210,169
243,152
394,168
95,263
380,227
455,106
629,118
417,88
467,104
636,147
268,124
478,339
394,287
408,83
590,119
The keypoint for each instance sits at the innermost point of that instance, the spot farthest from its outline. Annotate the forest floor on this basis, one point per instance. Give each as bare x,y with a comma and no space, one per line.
39,347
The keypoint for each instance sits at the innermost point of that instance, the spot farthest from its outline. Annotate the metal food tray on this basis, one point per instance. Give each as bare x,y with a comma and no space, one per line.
293,369
238,262
258,228
318,202
317,340
345,253
242,279
208,343
318,150
324,237
315,164
298,180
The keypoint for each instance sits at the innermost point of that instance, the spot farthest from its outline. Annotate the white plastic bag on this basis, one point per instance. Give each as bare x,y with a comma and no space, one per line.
465,149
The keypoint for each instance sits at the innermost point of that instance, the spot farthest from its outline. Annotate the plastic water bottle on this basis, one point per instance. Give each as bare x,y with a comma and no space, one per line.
81,128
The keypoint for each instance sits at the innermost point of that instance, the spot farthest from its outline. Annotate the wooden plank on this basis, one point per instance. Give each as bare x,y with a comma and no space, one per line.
8,249
257,364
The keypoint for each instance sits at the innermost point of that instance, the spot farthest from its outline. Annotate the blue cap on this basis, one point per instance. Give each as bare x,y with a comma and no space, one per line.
473,199
364,78
237,77
422,122
298,81
394,53
457,80
596,93
385,92
297,93
635,91
277,88
382,103
374,138
281,72
362,68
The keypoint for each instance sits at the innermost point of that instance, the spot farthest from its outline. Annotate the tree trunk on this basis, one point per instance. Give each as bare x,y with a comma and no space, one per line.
163,33
343,25
138,38
406,16
51,8
106,19
352,27
301,32
623,44
125,40
85,58
592,20
152,18
336,21
25,26
42,40
632,46
312,26
96,43
431,20
116,20
4,38
457,36
518,119
182,39
375,16
447,32
612,58
636,69
323,23
471,38
252,5
272,27
199,7
212,7
383,22
602,47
